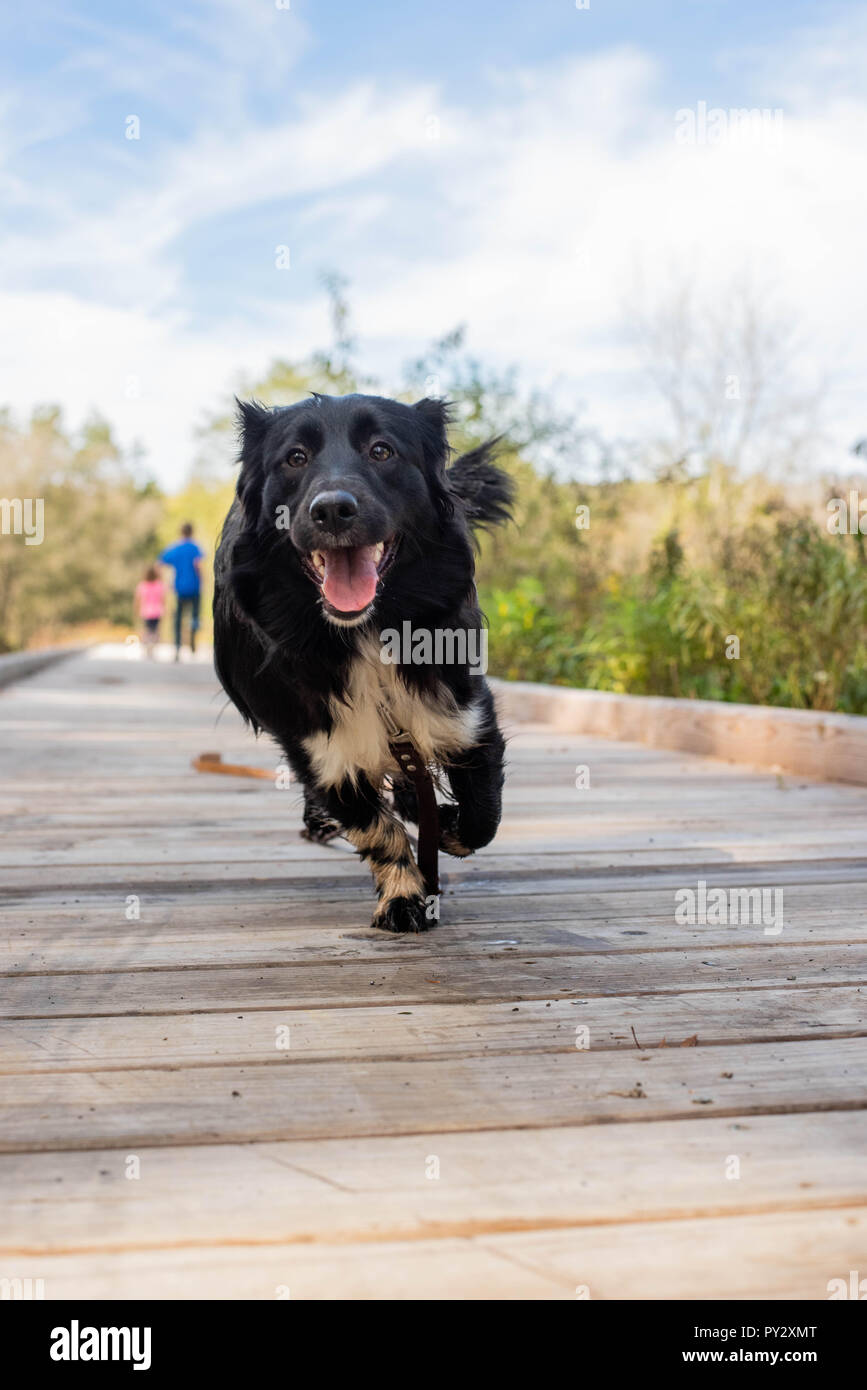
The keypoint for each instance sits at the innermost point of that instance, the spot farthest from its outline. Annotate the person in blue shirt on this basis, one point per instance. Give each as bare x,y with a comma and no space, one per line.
185,557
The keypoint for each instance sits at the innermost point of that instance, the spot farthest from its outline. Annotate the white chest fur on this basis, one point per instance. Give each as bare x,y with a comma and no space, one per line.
358,741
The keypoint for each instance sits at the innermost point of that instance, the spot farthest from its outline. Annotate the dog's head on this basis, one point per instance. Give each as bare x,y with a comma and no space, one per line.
355,487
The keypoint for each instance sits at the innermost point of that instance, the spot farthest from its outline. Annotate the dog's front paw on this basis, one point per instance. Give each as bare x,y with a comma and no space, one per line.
450,842
402,915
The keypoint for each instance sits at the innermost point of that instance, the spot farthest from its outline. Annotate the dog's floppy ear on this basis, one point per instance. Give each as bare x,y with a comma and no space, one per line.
486,491
435,420
253,422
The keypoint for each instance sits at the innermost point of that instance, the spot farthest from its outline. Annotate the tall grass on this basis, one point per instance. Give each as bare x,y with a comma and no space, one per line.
714,588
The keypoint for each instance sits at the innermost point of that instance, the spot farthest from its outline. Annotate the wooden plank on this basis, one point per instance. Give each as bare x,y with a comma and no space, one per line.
384,1188
331,874
278,841
543,788
210,1105
600,810
622,891
282,845
420,1270
222,933
814,743
337,871
432,1030
788,1255
406,978
791,1255
542,784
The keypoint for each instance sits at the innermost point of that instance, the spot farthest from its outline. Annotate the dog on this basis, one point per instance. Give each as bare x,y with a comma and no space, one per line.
348,523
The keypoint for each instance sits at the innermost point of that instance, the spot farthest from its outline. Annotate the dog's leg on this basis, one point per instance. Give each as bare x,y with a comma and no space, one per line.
477,784
379,837
319,825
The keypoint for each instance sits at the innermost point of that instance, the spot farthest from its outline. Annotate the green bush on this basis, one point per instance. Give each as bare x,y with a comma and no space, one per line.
780,619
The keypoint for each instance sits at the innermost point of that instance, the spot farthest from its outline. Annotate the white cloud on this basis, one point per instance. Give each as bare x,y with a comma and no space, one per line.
527,219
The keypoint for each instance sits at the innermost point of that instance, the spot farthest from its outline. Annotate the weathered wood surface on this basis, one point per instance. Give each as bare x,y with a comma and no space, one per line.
217,1081
812,743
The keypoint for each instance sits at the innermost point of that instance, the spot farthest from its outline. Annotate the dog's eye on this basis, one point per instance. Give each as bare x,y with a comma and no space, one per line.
379,452
297,458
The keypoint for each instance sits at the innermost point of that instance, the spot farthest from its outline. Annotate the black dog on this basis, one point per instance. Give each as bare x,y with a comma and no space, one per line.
348,526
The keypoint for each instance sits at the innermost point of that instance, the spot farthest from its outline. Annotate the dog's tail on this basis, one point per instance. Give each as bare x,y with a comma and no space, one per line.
485,491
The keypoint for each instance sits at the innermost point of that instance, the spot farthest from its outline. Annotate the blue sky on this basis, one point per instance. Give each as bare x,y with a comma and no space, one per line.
510,166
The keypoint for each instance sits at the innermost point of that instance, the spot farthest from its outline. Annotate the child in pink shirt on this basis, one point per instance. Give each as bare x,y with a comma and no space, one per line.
150,601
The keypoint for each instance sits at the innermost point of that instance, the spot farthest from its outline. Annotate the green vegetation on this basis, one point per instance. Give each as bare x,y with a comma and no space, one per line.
100,530
697,581
648,599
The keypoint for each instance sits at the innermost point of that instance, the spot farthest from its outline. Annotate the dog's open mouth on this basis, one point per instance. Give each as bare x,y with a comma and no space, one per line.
349,575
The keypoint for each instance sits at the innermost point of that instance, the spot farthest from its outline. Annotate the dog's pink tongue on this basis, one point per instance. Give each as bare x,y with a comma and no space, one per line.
350,578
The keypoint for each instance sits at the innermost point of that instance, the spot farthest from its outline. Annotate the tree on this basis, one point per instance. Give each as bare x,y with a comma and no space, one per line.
728,371
100,527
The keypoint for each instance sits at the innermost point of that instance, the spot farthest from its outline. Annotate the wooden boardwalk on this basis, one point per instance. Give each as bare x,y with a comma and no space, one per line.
217,1082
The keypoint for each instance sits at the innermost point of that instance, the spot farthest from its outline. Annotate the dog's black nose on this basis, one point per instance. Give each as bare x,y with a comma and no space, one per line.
334,511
